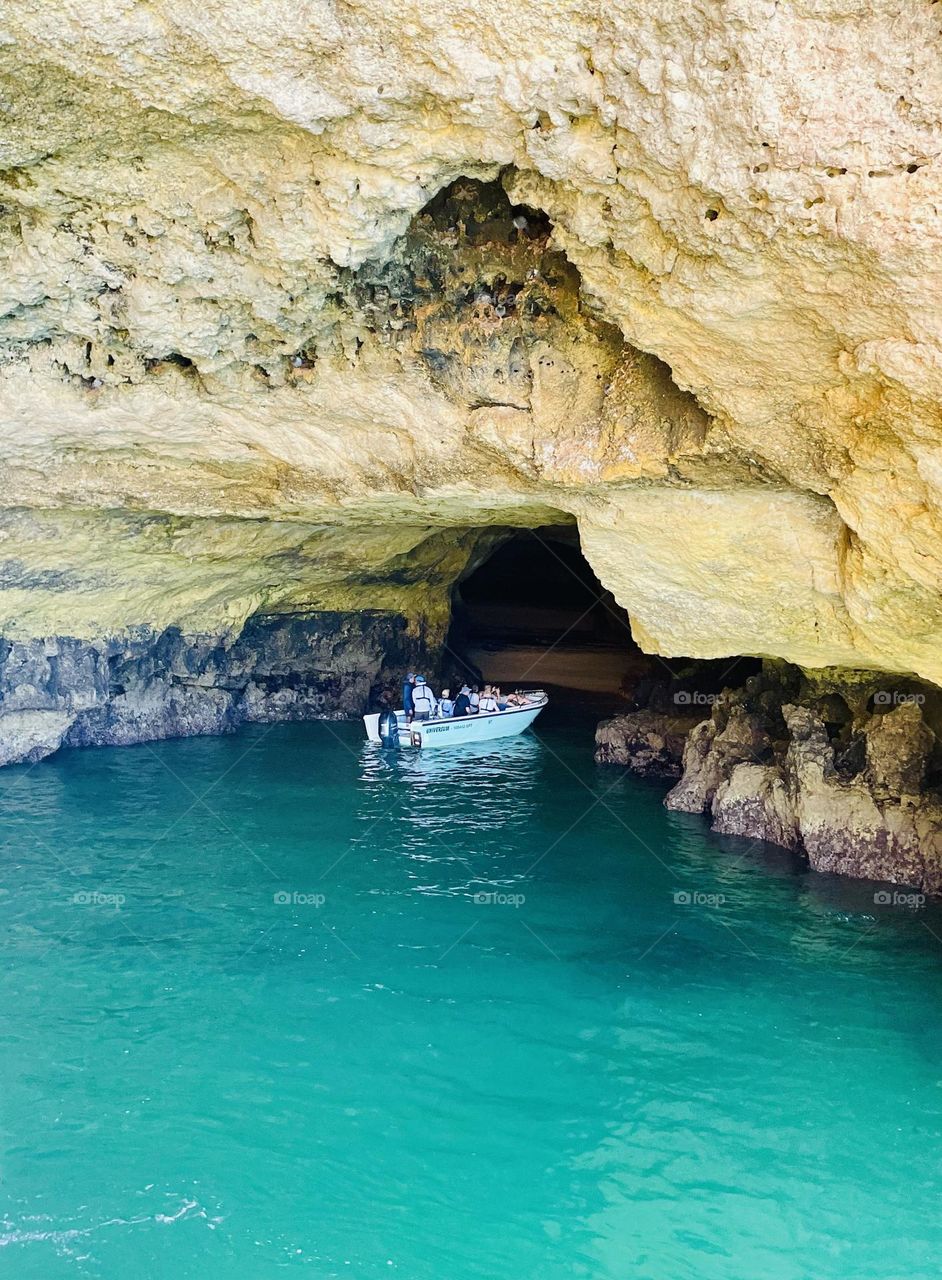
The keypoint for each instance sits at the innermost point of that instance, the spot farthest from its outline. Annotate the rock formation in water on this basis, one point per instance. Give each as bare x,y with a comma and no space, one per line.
302,305
831,765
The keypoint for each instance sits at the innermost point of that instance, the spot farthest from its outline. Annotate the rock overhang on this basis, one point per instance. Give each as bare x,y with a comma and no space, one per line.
192,205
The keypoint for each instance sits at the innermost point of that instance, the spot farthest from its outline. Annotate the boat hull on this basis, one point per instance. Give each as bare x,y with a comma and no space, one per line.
451,732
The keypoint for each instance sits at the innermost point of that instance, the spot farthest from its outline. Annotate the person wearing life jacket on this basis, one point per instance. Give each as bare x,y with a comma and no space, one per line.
445,706
462,702
423,700
487,702
407,686
475,697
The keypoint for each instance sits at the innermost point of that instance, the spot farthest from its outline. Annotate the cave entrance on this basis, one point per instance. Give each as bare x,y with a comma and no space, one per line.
534,613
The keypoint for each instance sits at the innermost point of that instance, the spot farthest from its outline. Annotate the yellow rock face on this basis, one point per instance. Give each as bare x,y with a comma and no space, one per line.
243,370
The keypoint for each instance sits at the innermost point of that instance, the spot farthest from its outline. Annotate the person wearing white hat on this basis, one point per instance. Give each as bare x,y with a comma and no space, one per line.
423,700
445,706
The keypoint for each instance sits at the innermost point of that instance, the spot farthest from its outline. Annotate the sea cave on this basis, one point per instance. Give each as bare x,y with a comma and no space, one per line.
470,640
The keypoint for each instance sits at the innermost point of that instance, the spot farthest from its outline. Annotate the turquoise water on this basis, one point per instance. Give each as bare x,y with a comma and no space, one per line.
386,1075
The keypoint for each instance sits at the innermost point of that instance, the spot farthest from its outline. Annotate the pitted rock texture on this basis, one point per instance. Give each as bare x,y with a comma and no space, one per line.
648,743
69,692
655,736
846,827
754,801
228,326
847,773
713,750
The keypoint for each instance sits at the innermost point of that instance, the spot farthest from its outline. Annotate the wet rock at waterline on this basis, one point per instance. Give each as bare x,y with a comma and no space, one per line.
828,765
297,324
139,688
714,747
854,826
649,743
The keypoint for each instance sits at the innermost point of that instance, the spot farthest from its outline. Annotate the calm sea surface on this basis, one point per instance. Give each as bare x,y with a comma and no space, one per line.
278,1003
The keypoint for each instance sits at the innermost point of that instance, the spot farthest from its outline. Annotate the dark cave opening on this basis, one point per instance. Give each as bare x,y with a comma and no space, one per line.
531,612
534,613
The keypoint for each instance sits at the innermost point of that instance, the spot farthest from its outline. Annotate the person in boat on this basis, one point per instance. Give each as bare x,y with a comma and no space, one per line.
423,700
445,706
487,703
475,697
462,702
407,686
501,699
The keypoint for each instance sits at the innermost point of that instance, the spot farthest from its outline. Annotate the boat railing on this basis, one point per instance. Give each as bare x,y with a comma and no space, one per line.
535,697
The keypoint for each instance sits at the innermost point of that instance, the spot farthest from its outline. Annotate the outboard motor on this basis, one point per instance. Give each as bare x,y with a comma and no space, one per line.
389,730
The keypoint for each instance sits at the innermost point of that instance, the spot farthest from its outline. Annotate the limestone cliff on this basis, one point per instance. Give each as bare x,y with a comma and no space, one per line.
298,299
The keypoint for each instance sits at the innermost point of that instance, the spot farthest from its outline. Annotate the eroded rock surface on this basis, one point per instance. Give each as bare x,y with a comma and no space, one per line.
649,743
298,305
851,780
732,736
78,693
222,304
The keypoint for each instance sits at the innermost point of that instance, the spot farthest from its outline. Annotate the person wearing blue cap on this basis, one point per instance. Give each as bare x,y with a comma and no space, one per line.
423,700
407,686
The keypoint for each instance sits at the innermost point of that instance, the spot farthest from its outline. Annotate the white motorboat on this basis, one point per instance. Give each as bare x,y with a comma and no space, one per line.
455,731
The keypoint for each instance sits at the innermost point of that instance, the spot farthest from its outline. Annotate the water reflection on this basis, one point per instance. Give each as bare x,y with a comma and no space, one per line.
460,812
577,1075
486,764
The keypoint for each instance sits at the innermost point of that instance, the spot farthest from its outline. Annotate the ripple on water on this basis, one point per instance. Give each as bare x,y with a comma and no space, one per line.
445,1014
